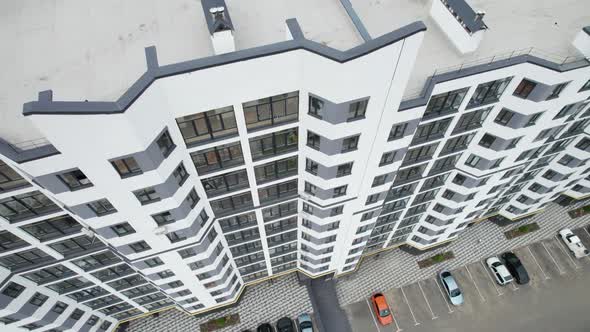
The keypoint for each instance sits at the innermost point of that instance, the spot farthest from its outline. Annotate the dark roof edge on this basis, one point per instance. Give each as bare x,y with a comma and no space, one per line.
478,69
46,105
586,30
23,156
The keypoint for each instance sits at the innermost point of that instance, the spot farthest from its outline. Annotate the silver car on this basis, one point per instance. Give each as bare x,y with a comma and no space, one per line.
304,323
451,287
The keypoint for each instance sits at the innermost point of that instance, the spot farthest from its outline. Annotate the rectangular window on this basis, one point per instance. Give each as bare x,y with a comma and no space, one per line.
533,119
311,166
456,144
231,204
276,170
38,299
192,198
9,179
9,241
175,237
202,127
357,110
397,131
53,228
444,103
74,179
59,307
489,92
422,153
13,290
487,140
444,164
350,144
524,88
140,246
379,180
339,191
123,229
336,211
126,167
24,206
147,195
274,144
387,158
101,207
409,174
513,143
472,161
316,107
504,117
163,218
180,174
165,144
76,245
344,170
225,183
472,120
310,188
271,111
219,157
431,131
557,90
585,87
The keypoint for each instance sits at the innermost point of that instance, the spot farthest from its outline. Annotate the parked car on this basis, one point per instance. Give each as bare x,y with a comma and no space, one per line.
265,327
381,308
515,267
499,271
574,243
304,322
451,287
285,324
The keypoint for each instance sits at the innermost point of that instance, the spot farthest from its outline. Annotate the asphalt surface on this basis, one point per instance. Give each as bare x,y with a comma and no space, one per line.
556,299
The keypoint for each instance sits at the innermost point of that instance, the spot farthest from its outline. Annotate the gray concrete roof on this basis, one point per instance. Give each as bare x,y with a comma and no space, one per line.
94,50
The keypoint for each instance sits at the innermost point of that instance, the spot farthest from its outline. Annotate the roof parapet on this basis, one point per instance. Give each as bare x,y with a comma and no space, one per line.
582,42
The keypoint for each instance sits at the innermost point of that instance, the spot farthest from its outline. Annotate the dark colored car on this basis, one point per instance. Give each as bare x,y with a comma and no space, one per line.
515,267
266,327
285,324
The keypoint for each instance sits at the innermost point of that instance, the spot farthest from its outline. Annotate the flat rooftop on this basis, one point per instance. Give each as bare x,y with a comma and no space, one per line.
94,50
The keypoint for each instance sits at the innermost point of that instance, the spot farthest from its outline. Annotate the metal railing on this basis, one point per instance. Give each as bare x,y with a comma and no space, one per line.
555,58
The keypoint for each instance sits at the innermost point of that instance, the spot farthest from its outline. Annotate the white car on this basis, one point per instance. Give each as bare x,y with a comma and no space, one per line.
499,271
451,288
574,243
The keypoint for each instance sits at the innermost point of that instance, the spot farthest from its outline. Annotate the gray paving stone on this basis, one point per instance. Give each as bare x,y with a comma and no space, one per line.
397,268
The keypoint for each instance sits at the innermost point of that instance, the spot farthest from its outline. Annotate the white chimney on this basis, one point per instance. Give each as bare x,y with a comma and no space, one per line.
222,38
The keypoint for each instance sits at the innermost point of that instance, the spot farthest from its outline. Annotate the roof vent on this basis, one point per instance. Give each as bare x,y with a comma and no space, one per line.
220,25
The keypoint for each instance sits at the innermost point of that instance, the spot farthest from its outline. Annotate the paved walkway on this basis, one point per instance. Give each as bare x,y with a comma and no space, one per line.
395,268
330,315
265,302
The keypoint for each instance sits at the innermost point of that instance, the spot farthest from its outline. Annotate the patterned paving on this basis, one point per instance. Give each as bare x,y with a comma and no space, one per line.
265,302
397,268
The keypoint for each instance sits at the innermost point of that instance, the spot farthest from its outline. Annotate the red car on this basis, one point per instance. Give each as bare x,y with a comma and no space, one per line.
381,308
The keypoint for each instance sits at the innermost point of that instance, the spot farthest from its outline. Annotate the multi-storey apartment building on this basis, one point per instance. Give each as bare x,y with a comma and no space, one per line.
265,137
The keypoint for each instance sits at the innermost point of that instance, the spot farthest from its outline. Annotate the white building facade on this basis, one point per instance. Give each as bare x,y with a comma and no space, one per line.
212,174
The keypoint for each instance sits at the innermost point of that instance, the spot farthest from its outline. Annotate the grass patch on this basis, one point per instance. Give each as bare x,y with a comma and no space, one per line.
521,230
438,258
220,323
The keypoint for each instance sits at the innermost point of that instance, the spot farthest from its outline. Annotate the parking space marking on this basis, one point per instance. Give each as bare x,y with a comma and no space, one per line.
553,259
476,287
536,262
489,273
409,307
586,229
371,312
427,303
395,321
566,251
514,288
443,296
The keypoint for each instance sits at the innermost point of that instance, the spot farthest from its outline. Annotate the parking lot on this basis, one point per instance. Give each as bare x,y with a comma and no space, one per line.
423,305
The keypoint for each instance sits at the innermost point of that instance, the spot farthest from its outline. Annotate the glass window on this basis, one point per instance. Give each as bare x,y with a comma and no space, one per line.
313,140
339,191
489,92
126,167
219,157
472,120
350,144
163,218
533,119
444,103
9,179
192,198
165,144
13,290
147,195
524,88
421,153
276,170
273,144
180,174
278,191
94,261
101,207
24,206
344,169
387,158
76,245
431,131
24,259
316,107
123,229
175,237
140,246
75,179
487,140
9,241
585,87
225,183
271,111
457,143
59,307
472,160
38,299
357,110
49,274
397,131
232,203
557,90
311,166
504,117
202,127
